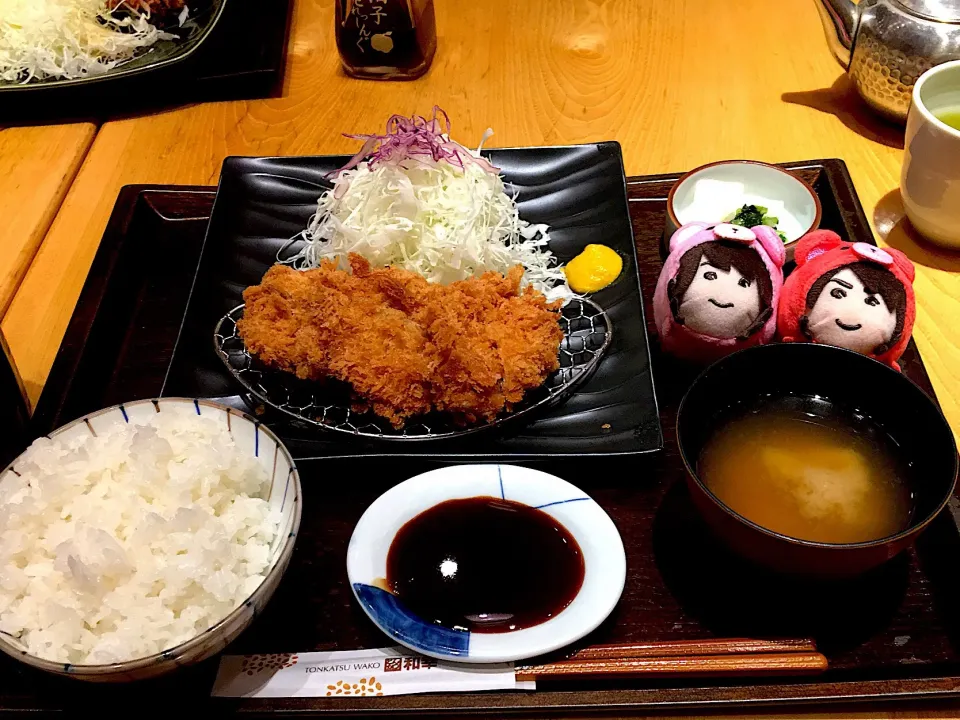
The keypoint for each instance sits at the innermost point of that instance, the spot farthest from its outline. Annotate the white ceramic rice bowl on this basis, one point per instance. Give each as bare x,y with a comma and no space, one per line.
251,436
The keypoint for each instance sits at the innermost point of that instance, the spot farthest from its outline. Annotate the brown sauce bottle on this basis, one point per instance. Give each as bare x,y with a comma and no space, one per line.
386,39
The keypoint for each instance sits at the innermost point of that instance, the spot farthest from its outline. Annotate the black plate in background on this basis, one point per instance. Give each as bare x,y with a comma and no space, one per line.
203,18
242,57
579,191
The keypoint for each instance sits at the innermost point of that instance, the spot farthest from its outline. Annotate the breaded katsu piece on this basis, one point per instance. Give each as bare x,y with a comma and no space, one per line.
494,342
327,322
471,348
527,343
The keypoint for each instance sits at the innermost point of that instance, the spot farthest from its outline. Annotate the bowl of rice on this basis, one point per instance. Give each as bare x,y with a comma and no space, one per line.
142,538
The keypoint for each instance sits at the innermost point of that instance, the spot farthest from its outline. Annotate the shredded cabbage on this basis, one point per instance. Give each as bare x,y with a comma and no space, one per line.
426,204
70,39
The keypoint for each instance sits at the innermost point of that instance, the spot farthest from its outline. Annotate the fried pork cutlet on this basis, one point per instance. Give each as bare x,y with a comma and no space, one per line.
471,348
327,322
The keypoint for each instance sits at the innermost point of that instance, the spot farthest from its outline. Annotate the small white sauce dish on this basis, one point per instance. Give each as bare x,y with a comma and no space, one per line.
605,564
712,193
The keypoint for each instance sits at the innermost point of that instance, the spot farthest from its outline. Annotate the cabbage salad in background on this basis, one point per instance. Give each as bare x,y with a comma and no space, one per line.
73,39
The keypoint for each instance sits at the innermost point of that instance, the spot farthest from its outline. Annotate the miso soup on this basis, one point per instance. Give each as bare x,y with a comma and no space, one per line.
821,476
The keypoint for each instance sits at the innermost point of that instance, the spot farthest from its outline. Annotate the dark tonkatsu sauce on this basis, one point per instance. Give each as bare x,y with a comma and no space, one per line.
484,564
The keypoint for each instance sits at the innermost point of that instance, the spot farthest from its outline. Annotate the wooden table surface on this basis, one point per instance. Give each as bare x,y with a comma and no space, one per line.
37,166
677,82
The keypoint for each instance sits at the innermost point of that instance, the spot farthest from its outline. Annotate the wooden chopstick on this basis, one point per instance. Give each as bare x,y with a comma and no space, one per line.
733,656
755,664
680,648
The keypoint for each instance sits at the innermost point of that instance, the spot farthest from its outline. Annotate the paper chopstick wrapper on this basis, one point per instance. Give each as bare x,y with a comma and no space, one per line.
357,673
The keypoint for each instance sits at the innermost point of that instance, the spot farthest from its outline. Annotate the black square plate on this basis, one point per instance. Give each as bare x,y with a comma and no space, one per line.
579,191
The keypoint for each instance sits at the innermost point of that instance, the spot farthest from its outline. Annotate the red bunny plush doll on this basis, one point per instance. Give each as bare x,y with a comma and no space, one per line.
853,295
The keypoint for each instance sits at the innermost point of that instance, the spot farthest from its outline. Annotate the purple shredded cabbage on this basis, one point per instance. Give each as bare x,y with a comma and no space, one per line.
414,138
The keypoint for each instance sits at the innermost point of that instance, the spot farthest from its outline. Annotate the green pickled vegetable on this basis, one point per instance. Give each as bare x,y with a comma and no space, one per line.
752,215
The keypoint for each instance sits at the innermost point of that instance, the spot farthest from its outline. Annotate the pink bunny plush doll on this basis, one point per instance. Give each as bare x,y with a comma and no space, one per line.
718,290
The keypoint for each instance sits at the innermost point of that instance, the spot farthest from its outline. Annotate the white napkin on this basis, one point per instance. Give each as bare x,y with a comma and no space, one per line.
357,673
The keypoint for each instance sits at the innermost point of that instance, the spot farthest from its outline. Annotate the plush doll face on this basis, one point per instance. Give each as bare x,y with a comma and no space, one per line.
722,289
858,306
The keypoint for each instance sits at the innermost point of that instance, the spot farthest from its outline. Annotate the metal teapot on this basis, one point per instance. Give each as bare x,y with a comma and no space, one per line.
887,44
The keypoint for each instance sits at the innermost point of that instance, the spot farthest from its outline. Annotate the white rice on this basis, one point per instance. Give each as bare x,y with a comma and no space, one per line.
126,544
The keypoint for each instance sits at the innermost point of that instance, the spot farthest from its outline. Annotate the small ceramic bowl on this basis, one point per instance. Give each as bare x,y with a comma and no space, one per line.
252,437
697,197
605,563
848,380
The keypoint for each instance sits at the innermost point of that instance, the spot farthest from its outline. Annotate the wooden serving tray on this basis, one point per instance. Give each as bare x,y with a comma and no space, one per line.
890,635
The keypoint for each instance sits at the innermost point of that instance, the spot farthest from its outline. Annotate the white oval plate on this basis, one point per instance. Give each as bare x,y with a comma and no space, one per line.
605,564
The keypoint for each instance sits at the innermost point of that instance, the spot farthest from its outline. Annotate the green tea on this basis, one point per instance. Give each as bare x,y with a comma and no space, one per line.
950,116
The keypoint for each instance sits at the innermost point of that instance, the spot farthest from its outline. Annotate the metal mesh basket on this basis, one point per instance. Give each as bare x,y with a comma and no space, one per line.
587,333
